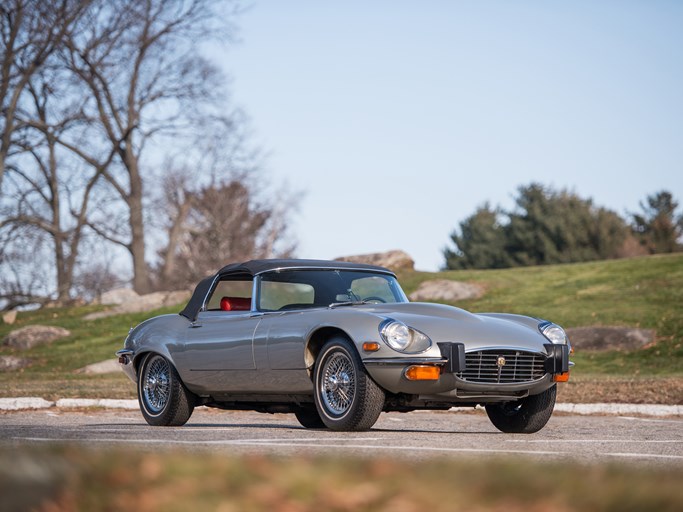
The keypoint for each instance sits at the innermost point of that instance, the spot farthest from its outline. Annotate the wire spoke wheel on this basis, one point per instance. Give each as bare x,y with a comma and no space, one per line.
338,383
346,398
164,399
157,384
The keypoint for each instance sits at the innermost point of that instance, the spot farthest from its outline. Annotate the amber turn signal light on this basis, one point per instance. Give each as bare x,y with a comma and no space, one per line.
423,373
371,346
561,377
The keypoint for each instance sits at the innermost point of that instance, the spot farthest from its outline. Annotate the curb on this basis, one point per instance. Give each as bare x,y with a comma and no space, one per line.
621,409
27,403
34,403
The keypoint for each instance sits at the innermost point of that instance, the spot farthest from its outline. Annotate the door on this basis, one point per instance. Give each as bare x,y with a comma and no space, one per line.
218,355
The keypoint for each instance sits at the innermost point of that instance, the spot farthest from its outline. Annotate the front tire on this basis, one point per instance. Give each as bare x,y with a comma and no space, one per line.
524,416
164,400
346,398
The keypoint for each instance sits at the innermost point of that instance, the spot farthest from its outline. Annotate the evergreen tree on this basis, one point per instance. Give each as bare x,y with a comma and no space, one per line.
545,227
480,243
658,228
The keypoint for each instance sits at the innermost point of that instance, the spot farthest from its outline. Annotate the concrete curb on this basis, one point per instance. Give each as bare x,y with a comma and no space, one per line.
20,403
77,403
621,409
28,403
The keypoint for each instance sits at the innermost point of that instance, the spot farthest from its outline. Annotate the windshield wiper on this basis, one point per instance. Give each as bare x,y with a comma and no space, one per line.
349,303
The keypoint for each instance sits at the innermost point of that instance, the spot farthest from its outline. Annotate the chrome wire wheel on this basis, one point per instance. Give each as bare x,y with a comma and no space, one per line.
164,400
338,383
345,396
156,384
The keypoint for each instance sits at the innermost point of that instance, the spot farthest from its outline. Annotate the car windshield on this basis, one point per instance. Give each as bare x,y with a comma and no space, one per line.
299,289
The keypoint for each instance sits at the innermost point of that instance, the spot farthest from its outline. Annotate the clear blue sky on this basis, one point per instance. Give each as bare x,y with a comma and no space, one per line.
398,118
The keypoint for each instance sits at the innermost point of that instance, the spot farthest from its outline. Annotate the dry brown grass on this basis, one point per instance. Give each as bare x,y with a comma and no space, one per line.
72,479
631,390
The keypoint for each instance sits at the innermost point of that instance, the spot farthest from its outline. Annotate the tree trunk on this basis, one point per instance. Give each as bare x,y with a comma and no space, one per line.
174,234
136,221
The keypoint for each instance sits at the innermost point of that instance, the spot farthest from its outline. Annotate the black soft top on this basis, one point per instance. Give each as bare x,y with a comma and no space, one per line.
251,268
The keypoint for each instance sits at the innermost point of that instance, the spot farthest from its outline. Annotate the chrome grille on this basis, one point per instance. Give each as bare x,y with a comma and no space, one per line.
503,366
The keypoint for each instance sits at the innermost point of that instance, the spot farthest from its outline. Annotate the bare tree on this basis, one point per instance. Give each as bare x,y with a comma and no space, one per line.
220,223
30,32
145,77
46,198
23,277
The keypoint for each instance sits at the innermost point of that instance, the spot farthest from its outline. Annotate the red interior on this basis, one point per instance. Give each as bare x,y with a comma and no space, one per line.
235,304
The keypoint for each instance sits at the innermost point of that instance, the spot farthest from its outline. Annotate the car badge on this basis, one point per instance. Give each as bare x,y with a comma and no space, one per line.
501,362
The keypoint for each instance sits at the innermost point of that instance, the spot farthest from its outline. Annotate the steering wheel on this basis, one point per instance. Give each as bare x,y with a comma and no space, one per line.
374,298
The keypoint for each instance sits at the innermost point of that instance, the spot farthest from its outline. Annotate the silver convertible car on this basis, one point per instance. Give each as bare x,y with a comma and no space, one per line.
336,344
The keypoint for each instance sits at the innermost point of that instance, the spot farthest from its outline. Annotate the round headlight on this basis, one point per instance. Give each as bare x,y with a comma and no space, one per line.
397,335
553,332
402,338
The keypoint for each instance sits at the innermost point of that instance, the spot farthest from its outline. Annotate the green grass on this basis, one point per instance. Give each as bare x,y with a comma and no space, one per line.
51,375
93,480
641,292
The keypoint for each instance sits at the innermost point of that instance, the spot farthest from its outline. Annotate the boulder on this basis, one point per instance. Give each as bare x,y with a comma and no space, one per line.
610,338
34,335
10,317
106,366
395,260
11,363
118,296
443,290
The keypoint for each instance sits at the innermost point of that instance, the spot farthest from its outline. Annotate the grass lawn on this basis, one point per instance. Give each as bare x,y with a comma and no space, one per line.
640,292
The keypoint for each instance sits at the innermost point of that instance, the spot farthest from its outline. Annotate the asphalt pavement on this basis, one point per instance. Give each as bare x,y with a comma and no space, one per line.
420,435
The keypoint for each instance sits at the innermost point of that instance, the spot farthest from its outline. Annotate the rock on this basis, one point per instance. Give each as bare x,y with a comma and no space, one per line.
118,296
33,335
106,366
395,260
10,317
610,338
11,363
148,302
443,290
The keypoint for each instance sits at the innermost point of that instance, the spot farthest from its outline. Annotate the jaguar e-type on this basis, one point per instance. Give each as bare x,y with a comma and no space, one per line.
336,344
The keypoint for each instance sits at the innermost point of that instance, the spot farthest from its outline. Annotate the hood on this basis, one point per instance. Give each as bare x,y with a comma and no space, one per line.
450,324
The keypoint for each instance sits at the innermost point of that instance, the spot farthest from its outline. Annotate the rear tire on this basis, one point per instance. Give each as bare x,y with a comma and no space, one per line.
346,398
309,417
164,400
524,416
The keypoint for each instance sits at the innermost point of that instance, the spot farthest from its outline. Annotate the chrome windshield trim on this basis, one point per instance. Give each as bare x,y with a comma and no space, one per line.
331,269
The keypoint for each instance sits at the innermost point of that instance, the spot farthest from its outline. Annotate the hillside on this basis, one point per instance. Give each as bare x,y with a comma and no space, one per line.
642,292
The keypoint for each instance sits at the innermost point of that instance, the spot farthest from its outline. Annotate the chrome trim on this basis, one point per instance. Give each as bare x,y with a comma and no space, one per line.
212,288
405,361
503,366
507,347
255,293
125,356
343,269
208,292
